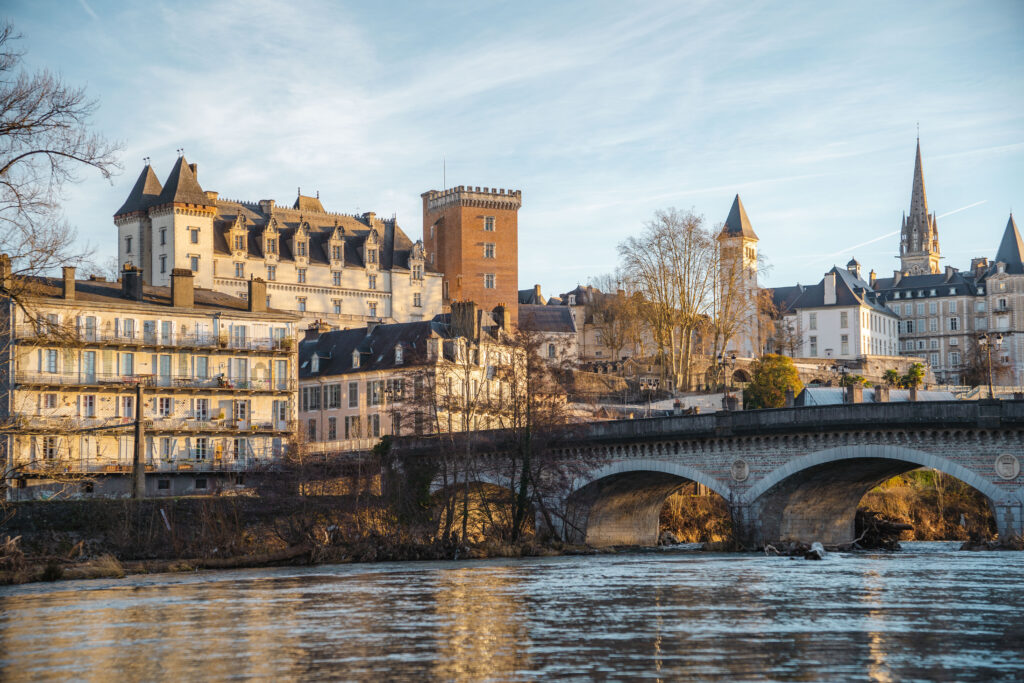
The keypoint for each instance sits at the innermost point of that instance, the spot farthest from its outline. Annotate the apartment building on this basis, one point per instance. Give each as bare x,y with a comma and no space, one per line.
217,377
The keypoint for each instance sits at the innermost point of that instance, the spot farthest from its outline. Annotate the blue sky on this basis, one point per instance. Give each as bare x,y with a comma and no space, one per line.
600,112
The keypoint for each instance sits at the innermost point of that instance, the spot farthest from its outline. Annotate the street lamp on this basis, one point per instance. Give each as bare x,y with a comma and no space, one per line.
727,360
984,340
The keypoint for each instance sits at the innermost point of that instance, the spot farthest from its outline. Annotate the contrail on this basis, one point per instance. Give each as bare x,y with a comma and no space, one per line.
963,208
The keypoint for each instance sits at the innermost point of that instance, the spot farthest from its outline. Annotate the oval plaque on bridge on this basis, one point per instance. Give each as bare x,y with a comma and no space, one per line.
1007,466
740,470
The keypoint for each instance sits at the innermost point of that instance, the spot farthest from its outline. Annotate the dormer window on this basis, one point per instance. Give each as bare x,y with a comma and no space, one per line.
398,355
239,242
417,272
314,363
300,248
336,254
981,290
271,246
355,359
572,299
371,255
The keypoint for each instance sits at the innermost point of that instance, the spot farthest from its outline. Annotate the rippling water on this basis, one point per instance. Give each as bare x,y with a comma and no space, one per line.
927,613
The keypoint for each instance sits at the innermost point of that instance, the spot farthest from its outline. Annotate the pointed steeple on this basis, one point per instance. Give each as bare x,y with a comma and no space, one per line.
143,195
182,186
737,224
1011,249
919,239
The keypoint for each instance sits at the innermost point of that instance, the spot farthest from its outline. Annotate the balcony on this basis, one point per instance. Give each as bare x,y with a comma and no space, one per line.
58,467
228,427
119,382
42,335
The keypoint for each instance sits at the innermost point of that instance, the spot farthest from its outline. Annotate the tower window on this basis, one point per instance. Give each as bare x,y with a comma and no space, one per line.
417,300
489,250
302,274
128,245
163,235
194,263
489,223
336,279
194,235
163,263
372,282
489,281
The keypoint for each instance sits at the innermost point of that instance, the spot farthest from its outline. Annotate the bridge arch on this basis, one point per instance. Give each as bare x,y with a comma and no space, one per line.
814,497
620,503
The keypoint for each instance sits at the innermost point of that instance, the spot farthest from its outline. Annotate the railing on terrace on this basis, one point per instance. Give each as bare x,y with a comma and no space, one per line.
57,425
341,445
229,463
42,334
117,380
220,426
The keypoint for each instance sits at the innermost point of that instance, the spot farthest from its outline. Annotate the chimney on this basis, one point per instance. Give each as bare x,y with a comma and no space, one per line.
266,206
872,278
195,170
182,290
368,218
503,317
131,282
315,330
371,325
69,282
536,292
257,295
211,196
896,277
465,320
950,272
830,288
6,279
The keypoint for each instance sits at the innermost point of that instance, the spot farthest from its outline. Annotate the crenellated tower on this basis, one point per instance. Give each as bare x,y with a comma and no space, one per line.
919,235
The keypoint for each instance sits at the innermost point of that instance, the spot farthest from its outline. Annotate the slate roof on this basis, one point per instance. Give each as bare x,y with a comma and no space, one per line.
542,318
850,291
100,291
1011,249
376,349
304,203
182,187
144,195
531,296
737,224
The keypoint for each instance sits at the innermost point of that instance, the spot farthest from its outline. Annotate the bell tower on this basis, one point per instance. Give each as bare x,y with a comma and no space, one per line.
919,235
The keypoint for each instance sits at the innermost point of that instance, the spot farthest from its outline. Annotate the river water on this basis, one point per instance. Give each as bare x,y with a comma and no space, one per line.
928,613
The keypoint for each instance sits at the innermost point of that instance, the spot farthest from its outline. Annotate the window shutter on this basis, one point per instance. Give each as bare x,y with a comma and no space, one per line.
69,362
183,364
108,362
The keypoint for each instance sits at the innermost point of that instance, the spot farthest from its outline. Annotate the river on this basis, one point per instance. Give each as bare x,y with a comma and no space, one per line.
928,613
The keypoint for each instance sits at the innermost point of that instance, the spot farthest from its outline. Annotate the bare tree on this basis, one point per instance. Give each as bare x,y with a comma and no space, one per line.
45,141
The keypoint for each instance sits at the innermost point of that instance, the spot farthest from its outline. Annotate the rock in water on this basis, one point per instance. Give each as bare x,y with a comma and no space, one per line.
668,538
817,552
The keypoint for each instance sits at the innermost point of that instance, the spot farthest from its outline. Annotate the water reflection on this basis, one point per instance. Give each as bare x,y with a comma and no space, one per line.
929,613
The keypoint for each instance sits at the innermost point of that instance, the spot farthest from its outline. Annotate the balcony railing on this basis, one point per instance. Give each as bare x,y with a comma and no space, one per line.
42,334
57,467
119,381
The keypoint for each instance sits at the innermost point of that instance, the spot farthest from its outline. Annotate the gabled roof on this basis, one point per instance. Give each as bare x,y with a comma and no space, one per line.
1011,249
145,193
737,224
850,291
304,203
182,187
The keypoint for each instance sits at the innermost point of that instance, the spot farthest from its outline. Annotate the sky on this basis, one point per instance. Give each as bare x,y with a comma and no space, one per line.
601,113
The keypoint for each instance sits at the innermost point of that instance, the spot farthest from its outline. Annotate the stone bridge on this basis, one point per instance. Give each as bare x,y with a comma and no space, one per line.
787,474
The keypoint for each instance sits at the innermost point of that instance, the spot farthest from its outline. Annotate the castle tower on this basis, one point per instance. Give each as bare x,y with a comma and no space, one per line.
738,278
919,238
471,236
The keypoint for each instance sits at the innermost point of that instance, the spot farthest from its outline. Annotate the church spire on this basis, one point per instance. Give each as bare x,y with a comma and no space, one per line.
919,241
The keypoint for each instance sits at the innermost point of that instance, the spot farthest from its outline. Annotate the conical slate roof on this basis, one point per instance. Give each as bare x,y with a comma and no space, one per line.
143,195
182,187
1011,249
737,224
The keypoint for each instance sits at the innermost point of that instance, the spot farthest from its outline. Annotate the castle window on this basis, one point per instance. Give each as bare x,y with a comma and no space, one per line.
193,262
302,304
271,246
417,272
128,244
489,223
302,274
489,250
271,272
239,242
163,263
336,279
239,270
372,282
337,306
489,281
336,252
163,236
194,235
373,309
371,255
417,300
300,248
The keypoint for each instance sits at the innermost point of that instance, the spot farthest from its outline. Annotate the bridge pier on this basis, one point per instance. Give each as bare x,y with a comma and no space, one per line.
1009,518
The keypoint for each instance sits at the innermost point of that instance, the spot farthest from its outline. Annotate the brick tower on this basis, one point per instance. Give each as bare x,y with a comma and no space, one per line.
470,235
